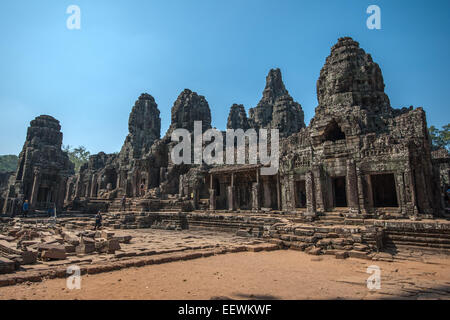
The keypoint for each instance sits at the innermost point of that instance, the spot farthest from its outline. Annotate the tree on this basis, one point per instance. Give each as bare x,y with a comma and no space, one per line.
78,156
8,163
440,138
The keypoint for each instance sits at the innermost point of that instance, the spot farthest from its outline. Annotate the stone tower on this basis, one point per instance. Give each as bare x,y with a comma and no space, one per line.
237,119
189,107
144,126
43,167
277,109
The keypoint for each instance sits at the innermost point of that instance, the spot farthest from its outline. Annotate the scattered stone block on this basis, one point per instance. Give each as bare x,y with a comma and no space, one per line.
315,251
108,235
29,257
54,253
6,265
123,239
341,255
243,233
85,248
70,248
360,247
383,256
358,254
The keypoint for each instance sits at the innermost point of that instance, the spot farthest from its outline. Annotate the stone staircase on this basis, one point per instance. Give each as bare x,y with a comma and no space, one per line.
317,238
331,218
429,239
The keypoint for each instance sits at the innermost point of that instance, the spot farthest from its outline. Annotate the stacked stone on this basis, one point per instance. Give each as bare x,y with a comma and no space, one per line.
351,78
41,162
237,119
277,109
350,90
144,126
189,107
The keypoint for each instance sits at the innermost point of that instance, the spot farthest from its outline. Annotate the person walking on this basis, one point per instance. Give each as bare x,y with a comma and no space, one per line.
98,221
142,190
25,208
123,202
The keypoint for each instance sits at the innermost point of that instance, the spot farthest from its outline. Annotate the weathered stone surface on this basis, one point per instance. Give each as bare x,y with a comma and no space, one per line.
190,107
29,257
6,265
277,109
358,156
351,78
123,239
144,126
237,119
341,255
107,246
87,245
43,168
55,252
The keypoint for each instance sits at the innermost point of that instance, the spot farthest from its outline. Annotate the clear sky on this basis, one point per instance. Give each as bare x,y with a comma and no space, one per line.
90,78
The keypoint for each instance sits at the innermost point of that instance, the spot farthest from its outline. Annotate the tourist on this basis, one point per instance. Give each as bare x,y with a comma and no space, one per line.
98,221
124,201
142,189
25,208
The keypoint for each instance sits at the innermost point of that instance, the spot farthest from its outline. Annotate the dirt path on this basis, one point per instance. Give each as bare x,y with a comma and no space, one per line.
263,275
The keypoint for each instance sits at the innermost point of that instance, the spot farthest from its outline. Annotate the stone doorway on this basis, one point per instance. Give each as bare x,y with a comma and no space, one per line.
44,195
339,190
300,194
384,191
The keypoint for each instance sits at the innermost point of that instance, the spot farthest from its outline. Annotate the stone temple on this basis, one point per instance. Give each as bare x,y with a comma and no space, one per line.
360,181
358,157
43,168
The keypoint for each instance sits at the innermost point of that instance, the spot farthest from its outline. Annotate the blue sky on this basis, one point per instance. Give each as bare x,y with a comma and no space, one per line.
89,79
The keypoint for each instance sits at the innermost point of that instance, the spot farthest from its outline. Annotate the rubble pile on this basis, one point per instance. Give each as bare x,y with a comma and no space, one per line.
24,244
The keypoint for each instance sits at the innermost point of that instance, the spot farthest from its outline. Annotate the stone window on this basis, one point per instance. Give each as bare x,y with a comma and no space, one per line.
333,132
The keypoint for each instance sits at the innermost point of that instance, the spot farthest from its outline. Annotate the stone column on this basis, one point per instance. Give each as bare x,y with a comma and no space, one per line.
35,189
135,183
255,196
93,186
318,189
361,195
212,199
267,193
195,198
401,192
352,188
278,192
231,194
369,192
77,192
88,189
412,192
292,194
181,186
69,189
61,194
310,196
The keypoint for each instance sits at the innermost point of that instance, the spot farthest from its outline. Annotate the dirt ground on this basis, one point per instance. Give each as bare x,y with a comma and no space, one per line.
249,275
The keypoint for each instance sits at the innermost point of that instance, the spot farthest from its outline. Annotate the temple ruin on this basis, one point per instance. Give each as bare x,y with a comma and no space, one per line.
42,171
358,155
361,181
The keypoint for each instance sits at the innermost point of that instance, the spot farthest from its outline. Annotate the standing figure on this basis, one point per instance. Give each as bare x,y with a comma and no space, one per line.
25,208
98,221
123,202
142,189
